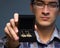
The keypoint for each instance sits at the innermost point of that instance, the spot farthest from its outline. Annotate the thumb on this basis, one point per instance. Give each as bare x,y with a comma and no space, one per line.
16,15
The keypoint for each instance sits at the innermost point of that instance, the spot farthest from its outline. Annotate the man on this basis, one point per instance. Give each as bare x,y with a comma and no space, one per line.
47,34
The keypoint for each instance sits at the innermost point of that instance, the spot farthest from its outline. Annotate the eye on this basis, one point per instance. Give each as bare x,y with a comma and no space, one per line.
38,3
53,5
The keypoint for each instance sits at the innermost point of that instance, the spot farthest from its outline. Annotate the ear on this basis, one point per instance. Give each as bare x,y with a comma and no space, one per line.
31,7
59,13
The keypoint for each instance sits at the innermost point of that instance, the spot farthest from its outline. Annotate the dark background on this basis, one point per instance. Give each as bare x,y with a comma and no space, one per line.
9,7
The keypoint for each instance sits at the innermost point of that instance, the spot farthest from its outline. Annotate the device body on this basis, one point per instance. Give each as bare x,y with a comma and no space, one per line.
26,28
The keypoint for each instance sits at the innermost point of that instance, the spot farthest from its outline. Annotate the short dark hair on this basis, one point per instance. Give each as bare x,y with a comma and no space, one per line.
33,1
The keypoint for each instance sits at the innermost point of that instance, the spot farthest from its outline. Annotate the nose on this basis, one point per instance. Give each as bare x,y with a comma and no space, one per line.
45,11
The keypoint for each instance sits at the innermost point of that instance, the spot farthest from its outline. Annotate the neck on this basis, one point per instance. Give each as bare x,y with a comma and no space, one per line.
45,32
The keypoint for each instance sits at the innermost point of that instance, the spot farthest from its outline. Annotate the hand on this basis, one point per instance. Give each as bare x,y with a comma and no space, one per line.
11,31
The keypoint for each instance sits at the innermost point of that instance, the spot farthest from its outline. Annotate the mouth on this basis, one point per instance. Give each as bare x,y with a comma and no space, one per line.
45,18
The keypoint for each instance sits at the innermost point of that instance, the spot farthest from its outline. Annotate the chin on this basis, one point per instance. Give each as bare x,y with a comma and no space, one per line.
45,24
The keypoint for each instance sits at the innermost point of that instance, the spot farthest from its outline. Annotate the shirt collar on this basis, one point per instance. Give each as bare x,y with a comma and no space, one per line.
55,34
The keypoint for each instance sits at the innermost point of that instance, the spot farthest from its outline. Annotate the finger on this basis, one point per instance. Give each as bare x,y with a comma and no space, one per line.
14,35
13,25
7,32
16,15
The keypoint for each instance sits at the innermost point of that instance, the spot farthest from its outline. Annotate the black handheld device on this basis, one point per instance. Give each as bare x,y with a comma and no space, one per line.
26,28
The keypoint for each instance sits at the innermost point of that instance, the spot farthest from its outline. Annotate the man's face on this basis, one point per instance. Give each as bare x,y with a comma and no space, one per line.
45,11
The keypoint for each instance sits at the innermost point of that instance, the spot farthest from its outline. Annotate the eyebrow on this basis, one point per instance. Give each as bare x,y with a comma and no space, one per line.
39,0
49,2
53,2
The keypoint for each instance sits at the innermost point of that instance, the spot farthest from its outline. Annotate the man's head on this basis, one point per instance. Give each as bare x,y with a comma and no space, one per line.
45,11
